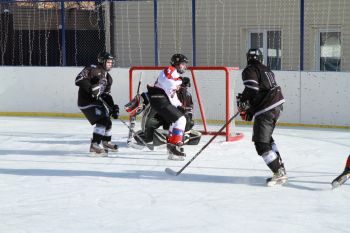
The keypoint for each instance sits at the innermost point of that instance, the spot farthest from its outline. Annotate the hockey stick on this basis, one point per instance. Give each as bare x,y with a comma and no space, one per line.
174,173
133,118
151,147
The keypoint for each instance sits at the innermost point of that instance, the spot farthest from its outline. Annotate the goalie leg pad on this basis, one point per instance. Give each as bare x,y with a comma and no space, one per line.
159,137
192,137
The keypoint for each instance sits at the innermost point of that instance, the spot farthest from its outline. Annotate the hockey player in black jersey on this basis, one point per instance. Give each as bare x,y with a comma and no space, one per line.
262,100
342,178
94,83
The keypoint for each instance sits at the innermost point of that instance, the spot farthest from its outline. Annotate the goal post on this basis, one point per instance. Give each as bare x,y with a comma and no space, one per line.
213,95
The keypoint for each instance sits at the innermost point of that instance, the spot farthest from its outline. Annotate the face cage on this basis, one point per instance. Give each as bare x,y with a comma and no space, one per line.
105,62
179,70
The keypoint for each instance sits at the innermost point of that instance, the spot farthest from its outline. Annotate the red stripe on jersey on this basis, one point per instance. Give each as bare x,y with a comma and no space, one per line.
168,72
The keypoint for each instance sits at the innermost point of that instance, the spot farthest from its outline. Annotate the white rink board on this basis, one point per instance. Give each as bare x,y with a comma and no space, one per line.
312,97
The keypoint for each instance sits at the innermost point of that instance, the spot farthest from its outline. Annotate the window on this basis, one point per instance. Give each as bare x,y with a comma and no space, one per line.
329,51
269,42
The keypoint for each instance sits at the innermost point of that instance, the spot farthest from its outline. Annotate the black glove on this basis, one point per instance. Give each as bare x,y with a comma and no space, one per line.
115,111
95,91
189,122
243,108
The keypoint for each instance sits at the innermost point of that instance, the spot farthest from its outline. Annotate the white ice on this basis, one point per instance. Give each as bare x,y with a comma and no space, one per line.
49,184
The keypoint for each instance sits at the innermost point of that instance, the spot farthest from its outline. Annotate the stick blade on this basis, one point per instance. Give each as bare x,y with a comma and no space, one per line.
170,171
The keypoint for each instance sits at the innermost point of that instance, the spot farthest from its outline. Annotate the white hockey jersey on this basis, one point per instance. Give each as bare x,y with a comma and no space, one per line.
169,80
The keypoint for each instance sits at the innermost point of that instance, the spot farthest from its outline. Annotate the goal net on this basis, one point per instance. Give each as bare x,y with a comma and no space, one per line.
212,90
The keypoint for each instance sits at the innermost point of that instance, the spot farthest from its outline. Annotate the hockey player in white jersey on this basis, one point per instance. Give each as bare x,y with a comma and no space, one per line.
164,100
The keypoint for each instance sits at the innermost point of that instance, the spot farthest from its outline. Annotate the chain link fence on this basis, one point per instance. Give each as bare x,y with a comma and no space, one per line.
308,35
37,33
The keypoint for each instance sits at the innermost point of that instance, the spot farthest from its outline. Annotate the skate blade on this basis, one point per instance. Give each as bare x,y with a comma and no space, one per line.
111,150
335,184
340,181
276,182
94,154
176,158
136,146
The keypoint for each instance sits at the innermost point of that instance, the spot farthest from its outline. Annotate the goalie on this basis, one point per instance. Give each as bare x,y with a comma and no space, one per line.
151,121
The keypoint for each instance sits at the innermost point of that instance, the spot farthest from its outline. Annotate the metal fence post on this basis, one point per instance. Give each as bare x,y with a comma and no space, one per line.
63,35
155,15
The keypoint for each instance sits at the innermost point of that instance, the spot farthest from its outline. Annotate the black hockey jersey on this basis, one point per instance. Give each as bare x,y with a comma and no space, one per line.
92,75
261,89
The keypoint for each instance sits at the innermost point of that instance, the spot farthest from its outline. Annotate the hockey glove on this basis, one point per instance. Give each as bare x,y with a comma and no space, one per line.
95,91
115,111
243,108
245,116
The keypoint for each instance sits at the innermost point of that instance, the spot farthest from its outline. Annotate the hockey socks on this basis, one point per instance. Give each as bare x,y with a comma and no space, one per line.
273,161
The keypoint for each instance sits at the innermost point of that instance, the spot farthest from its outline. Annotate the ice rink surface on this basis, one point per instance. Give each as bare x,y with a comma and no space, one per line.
49,184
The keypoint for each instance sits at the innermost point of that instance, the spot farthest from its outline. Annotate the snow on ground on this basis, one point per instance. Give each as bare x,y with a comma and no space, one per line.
48,184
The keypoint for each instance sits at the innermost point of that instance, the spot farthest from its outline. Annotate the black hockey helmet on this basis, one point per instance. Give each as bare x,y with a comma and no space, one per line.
254,54
178,58
102,57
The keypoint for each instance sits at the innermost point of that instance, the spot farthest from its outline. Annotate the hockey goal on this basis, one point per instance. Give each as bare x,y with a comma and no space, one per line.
212,91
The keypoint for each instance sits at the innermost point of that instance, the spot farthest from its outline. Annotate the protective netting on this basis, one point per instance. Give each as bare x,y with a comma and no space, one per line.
293,34
212,90
40,34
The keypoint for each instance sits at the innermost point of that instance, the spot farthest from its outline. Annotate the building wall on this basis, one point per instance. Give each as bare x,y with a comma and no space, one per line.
325,14
222,29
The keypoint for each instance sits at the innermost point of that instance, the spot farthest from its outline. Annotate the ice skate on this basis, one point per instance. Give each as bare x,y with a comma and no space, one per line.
175,152
341,179
96,150
278,178
134,144
109,146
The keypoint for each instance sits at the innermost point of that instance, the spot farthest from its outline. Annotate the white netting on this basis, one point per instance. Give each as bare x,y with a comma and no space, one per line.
32,32
212,91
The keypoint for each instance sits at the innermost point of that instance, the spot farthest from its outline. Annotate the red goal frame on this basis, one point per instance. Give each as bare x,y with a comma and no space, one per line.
230,136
